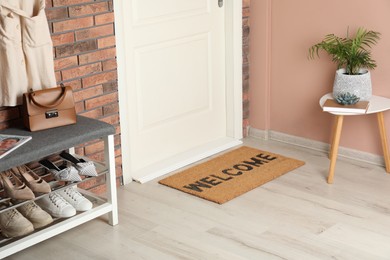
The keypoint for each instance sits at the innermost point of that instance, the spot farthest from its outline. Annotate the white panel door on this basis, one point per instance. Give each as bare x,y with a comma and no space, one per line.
176,94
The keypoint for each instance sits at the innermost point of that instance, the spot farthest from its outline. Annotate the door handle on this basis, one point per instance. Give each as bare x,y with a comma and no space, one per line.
220,3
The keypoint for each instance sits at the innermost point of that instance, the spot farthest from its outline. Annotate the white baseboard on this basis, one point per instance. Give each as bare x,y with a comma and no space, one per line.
316,145
258,134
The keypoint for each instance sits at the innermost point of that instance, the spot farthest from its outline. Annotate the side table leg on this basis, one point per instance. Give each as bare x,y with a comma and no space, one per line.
385,147
332,136
335,146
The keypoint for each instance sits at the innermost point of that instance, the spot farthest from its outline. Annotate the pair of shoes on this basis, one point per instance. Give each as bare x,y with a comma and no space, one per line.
32,180
14,224
76,199
85,168
70,172
64,203
22,221
20,183
61,174
37,216
14,187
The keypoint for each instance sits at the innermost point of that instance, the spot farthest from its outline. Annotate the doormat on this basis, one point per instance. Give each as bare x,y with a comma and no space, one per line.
231,174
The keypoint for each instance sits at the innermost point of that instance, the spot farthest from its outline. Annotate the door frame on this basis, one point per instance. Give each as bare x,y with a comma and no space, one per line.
233,36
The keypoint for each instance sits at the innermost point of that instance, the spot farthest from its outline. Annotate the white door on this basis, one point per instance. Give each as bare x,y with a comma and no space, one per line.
176,93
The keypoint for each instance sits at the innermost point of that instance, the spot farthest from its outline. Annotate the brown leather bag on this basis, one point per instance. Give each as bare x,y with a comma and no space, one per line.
48,108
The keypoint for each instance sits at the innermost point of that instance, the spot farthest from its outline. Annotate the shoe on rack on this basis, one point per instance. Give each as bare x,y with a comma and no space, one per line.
78,201
65,174
56,206
85,168
37,216
14,187
14,224
33,181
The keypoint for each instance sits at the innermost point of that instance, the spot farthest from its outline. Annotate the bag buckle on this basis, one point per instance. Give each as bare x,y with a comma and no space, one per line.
51,114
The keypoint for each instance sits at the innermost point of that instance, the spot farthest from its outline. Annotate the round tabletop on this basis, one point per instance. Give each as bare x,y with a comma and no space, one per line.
377,104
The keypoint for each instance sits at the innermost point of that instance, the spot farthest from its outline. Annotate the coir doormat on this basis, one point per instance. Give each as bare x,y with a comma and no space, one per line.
231,174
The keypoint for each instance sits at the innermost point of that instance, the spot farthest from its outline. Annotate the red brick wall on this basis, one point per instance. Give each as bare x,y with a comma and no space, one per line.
85,58
245,66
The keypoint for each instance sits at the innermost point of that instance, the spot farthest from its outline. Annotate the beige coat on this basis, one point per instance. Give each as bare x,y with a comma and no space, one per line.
26,50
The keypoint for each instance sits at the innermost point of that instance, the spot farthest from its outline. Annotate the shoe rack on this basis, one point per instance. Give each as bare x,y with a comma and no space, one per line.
52,141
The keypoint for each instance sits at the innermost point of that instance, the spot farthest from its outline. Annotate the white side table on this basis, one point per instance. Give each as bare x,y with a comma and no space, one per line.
377,106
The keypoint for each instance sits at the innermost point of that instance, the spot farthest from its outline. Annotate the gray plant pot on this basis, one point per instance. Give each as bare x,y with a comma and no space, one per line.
359,85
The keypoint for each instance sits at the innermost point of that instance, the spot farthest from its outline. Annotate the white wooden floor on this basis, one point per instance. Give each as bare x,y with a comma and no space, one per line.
297,216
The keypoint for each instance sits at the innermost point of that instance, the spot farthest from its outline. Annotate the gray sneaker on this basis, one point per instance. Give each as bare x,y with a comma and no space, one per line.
13,224
37,216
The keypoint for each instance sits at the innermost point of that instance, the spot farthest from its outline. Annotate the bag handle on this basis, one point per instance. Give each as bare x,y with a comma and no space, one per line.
56,103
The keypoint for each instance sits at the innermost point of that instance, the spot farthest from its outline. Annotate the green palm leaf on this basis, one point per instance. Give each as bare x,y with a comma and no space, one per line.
349,53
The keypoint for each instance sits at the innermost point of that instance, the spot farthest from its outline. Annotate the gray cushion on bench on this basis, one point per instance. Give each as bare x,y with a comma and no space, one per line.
47,142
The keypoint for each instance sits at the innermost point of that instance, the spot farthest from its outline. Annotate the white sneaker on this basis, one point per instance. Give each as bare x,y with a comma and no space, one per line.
37,216
78,201
13,224
56,206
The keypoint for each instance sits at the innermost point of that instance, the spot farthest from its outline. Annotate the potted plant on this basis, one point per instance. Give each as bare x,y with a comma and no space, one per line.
353,58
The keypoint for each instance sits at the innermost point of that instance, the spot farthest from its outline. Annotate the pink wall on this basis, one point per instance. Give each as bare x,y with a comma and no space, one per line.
286,86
